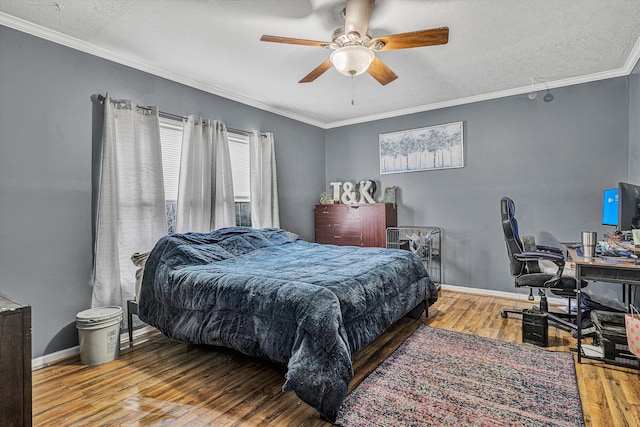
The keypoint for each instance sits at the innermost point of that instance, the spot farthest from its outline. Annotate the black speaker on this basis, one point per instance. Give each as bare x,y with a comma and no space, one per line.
535,328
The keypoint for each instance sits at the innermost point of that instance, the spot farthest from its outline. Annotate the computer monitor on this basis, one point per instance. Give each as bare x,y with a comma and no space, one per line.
610,206
628,206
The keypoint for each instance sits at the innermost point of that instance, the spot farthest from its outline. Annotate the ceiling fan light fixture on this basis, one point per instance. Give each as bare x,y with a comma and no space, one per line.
352,60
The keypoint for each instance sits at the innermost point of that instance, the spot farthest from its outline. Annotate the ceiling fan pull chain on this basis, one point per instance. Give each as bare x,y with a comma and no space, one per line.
353,92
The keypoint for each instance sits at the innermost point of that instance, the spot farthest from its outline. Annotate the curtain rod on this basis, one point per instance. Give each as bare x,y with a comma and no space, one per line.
101,98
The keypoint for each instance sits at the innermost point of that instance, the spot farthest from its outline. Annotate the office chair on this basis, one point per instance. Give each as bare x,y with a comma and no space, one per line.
526,269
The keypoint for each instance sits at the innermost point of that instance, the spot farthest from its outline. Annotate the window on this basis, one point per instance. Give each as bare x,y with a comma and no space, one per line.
171,144
239,154
171,141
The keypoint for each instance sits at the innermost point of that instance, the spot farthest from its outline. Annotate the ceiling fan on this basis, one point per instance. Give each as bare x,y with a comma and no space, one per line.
354,46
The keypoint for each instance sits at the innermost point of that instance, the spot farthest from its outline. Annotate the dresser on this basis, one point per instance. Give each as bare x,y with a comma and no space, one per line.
355,225
15,363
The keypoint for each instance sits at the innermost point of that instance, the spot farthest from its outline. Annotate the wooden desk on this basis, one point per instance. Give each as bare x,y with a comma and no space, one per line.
611,270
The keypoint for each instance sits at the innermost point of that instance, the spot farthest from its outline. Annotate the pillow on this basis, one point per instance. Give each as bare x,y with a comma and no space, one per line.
139,259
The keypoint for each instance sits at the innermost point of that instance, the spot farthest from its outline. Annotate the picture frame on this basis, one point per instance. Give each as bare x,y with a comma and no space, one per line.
429,148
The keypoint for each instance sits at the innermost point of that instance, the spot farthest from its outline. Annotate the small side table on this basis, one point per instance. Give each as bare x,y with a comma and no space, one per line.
132,308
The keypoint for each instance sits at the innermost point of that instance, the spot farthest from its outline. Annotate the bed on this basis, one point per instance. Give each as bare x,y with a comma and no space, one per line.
266,293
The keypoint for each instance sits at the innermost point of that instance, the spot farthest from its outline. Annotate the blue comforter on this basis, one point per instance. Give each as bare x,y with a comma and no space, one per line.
266,294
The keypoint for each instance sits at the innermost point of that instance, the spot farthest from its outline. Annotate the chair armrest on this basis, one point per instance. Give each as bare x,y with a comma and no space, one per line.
544,248
555,258
529,256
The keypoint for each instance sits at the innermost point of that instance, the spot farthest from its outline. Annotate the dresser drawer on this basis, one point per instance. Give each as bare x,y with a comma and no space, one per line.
337,223
349,239
337,211
354,225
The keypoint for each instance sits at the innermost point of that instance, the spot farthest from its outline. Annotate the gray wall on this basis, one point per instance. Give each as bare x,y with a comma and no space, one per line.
554,159
47,125
634,125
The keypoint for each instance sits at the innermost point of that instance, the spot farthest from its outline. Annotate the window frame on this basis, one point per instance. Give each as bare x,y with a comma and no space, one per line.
236,139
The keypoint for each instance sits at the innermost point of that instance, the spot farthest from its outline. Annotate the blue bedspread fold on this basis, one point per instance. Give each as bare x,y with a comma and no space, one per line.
265,293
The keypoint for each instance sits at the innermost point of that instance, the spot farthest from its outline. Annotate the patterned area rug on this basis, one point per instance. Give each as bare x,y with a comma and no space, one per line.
444,378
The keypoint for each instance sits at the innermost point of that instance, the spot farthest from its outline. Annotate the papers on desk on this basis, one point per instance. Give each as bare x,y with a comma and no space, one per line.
565,308
592,351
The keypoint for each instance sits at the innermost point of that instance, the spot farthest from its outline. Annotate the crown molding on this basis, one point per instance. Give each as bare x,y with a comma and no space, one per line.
489,96
628,67
633,58
77,44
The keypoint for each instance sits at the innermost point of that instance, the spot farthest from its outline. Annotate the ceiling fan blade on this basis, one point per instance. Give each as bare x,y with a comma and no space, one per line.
317,72
431,37
357,15
288,40
381,72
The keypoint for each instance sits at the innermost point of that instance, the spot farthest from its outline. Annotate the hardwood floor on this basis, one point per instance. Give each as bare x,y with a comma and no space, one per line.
160,382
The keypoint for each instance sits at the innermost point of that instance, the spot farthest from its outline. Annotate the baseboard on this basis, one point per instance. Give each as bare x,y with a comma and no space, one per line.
48,359
502,294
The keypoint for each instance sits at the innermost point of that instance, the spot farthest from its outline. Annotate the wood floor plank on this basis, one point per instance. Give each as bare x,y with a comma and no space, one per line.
162,382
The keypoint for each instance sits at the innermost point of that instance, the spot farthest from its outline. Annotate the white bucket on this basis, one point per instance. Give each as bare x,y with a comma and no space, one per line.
99,334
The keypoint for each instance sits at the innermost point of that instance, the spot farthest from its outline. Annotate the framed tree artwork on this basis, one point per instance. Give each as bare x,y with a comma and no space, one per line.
429,148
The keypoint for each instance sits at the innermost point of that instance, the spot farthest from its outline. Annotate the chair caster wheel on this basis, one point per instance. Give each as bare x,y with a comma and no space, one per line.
503,314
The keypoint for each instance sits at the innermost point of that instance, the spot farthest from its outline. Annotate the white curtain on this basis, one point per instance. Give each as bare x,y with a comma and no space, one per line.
205,188
131,213
264,184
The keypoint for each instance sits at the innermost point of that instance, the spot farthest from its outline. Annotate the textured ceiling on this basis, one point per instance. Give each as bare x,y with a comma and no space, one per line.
495,48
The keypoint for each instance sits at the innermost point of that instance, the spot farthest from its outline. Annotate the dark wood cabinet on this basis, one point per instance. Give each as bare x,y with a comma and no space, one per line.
15,363
354,225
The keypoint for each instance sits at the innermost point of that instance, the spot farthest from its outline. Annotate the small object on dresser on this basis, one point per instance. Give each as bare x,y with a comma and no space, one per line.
389,195
325,199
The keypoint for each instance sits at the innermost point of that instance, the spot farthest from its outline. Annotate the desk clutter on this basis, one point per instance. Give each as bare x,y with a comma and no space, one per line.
611,337
619,245
614,246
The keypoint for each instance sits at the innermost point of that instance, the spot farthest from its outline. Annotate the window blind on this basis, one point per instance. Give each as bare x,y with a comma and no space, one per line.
171,142
240,165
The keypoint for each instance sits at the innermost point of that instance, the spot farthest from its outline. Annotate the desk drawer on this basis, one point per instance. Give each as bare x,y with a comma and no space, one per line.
611,274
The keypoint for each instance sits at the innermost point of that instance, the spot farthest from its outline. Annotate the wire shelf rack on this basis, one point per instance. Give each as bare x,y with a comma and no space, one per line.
426,242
